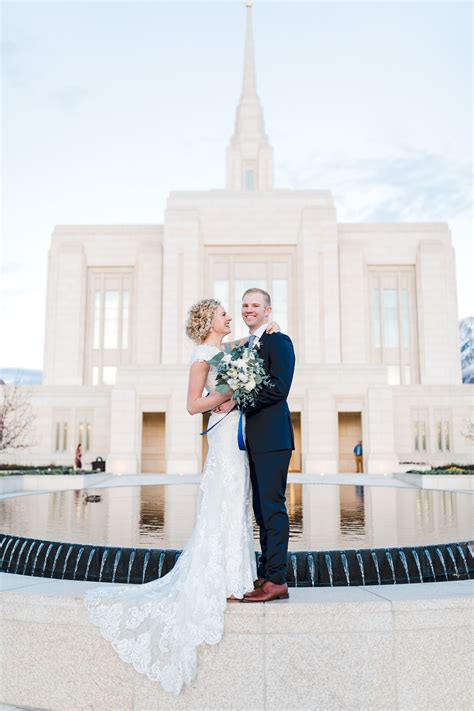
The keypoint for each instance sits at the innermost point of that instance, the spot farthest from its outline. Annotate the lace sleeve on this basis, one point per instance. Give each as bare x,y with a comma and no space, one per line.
201,354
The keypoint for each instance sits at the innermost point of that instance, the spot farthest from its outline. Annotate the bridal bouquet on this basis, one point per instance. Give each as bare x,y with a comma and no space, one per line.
240,369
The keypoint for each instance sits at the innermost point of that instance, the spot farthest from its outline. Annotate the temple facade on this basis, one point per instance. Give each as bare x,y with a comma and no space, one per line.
371,309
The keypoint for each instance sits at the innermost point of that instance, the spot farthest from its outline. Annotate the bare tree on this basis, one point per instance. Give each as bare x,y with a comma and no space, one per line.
16,416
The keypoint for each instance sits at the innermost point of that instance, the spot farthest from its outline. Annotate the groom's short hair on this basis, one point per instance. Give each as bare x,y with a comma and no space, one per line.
256,290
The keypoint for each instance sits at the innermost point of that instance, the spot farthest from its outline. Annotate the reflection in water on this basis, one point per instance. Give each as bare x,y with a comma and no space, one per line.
322,517
352,511
152,508
294,506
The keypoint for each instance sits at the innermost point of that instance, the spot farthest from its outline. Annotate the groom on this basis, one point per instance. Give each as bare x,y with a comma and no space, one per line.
269,436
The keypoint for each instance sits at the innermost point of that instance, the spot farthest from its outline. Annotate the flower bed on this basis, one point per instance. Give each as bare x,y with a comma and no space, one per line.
11,470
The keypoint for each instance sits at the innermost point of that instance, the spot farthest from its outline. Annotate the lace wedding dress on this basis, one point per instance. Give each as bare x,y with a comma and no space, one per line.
158,626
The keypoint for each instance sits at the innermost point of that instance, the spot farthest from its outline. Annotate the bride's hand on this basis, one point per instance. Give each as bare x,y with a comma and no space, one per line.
273,327
226,406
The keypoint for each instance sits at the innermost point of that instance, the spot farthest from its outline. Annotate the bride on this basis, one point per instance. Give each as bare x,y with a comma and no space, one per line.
158,626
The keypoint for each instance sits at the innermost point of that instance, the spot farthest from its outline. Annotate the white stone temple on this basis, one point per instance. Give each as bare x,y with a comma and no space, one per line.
371,309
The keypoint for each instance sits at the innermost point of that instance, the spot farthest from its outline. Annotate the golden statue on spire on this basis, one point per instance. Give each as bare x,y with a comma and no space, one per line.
249,3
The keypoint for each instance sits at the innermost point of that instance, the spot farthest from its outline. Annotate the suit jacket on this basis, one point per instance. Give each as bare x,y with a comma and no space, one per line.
268,422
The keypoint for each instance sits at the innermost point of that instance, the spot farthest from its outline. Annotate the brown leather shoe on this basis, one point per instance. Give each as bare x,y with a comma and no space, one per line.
257,584
269,591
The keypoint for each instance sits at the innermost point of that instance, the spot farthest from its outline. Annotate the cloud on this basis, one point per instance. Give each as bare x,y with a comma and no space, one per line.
408,185
15,48
20,52
69,98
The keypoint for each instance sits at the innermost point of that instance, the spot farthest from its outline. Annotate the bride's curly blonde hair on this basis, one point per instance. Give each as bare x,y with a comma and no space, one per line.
200,318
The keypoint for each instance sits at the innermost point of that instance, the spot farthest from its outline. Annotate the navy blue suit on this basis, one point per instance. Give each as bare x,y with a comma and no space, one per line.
270,441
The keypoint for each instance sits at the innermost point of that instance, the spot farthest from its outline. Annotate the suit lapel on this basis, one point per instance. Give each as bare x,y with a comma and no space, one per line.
262,339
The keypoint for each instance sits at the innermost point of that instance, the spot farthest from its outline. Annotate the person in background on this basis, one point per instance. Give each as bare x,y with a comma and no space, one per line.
358,456
78,457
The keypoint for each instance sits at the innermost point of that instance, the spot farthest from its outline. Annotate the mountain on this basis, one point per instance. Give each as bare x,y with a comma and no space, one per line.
25,376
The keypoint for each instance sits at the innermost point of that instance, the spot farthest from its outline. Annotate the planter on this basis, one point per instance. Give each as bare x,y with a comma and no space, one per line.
448,482
34,482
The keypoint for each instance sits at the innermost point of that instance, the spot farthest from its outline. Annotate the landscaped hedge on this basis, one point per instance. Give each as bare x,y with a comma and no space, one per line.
15,470
446,469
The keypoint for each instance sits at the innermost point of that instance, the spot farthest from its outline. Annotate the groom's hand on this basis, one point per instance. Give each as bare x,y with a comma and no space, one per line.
226,406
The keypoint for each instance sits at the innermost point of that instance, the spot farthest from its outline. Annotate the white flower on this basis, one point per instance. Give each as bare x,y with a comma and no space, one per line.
250,385
243,377
226,358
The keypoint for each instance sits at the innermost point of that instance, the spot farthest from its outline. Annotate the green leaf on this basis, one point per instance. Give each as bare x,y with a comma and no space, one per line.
215,360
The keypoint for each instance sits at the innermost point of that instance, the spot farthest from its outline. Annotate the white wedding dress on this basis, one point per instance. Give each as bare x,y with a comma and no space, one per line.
158,626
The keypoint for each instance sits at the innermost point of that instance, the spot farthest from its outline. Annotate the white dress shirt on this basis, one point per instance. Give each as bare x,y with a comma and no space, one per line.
258,333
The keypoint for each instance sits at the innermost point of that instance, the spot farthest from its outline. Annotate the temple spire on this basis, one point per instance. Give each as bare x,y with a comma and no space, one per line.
249,83
249,156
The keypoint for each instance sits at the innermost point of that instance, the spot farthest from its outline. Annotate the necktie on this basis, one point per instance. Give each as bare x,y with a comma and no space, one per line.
252,338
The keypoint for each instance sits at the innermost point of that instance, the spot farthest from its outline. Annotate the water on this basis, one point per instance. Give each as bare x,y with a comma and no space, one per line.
11,554
45,562
145,565
33,568
430,561
451,555
311,568
322,517
28,555
91,555
403,558
441,558
390,562
4,553
56,560
19,555
361,566
79,556
294,567
69,551
464,558
418,564
160,563
329,567
116,562
345,565
376,563
130,563
102,563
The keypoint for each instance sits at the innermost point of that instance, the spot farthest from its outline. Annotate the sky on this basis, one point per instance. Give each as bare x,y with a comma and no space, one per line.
108,106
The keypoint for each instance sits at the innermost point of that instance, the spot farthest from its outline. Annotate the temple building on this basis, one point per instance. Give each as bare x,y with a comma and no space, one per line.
371,309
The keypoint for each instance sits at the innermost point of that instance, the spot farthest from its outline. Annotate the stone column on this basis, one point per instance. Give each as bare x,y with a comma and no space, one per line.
65,315
182,278
125,429
379,440
440,361
354,311
307,281
318,275
183,443
148,307
319,429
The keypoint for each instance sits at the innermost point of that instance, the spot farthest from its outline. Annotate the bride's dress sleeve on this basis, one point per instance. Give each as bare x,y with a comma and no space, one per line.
201,354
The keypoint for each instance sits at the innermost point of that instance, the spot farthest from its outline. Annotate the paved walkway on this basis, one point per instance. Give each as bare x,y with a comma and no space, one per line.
28,584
